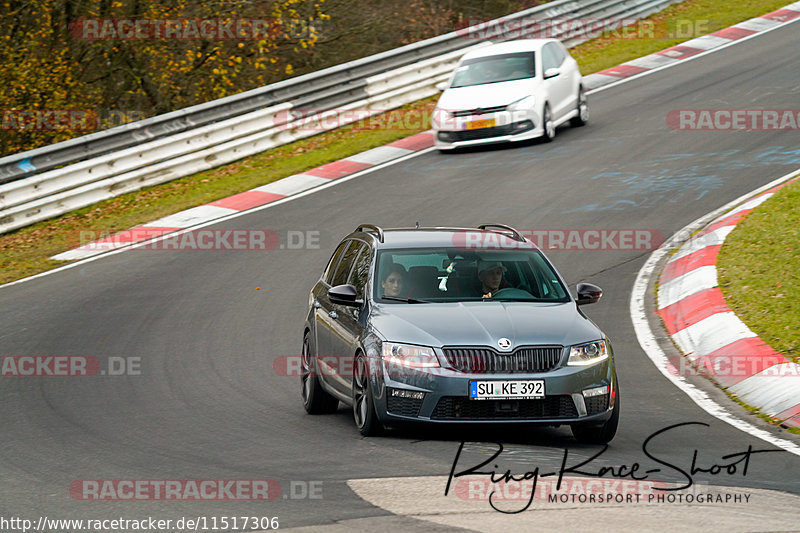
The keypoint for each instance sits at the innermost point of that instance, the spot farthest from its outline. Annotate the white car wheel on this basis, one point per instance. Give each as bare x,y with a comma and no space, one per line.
548,125
583,110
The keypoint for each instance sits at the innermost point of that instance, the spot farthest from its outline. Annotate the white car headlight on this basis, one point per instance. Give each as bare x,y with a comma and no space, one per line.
525,103
588,353
442,119
443,112
409,355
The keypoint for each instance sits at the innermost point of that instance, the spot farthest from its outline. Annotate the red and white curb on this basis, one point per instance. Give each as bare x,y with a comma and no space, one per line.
711,336
257,197
693,47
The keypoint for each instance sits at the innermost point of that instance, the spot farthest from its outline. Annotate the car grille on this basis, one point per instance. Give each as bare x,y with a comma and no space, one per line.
485,133
482,133
596,404
525,360
478,111
403,406
459,407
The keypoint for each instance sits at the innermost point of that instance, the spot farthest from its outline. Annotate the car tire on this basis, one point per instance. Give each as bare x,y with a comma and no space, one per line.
316,400
603,434
583,110
364,414
548,126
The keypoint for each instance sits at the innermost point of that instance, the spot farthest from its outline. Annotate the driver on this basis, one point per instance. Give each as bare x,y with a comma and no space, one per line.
490,276
487,72
392,280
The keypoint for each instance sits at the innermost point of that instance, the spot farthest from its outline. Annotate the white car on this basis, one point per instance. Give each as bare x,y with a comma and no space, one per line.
510,91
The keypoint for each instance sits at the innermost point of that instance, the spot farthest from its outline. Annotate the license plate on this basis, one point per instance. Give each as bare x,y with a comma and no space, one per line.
478,124
506,389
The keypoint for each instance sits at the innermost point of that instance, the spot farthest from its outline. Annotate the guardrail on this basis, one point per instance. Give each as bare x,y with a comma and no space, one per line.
52,180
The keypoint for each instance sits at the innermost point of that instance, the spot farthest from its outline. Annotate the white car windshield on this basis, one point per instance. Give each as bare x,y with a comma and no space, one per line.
495,69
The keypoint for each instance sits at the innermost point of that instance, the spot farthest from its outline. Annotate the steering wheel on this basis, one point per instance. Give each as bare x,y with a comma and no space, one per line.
511,292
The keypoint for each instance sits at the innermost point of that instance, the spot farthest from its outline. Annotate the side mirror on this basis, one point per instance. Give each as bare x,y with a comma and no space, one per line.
588,293
441,86
552,72
344,295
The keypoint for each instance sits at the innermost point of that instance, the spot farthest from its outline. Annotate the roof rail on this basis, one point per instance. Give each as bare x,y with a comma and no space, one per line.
517,236
371,227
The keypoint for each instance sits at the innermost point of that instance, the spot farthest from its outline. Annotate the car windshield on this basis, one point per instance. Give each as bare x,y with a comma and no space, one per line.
422,275
494,69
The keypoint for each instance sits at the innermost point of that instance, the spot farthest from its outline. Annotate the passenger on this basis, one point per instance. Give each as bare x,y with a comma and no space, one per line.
392,280
490,276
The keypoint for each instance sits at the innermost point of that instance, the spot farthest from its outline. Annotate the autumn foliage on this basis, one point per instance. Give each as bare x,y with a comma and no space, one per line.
50,70
71,67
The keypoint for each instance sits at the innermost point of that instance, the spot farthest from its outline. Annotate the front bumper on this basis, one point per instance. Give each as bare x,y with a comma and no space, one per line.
442,396
510,127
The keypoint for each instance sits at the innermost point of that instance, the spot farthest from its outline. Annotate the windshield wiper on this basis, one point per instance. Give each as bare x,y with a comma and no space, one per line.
511,299
406,300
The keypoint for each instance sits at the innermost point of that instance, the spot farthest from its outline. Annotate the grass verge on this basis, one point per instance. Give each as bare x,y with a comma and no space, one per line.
27,251
759,271
674,25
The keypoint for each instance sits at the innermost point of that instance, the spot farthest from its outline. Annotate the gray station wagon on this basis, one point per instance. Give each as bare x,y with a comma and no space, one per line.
455,325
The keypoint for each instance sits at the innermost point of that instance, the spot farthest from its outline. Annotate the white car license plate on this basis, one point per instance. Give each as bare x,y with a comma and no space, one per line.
507,389
483,123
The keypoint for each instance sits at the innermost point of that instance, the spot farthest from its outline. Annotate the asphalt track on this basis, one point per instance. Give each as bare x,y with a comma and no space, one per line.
208,403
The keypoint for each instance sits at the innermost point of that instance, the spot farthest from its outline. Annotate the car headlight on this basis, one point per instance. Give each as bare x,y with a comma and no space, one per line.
442,119
525,103
443,113
409,355
588,353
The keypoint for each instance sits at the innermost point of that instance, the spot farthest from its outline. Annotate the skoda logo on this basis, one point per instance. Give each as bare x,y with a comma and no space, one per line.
504,343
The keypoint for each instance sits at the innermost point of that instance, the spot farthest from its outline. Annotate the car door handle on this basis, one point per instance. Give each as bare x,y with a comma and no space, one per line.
333,314
316,304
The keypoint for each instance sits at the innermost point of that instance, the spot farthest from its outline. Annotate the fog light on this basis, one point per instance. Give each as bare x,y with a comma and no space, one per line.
525,125
402,393
595,391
